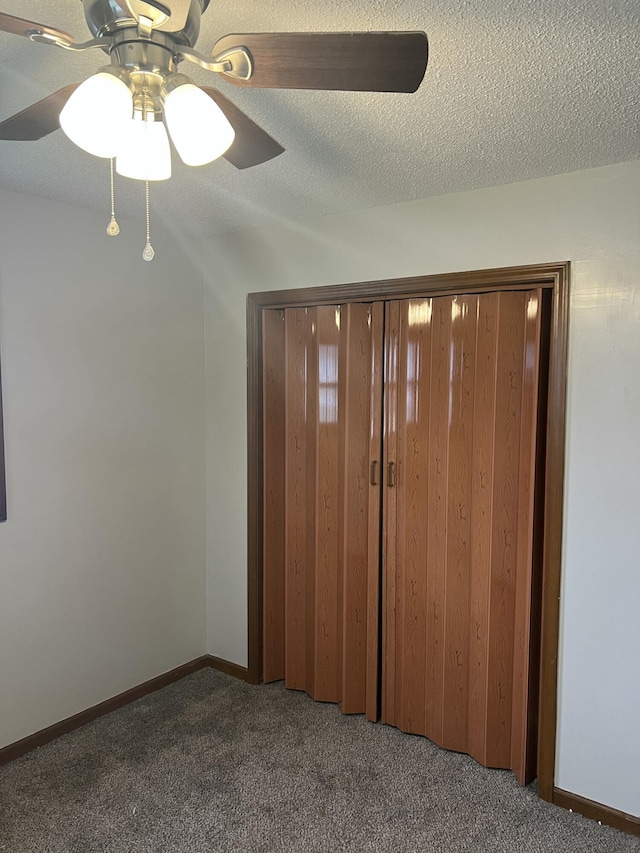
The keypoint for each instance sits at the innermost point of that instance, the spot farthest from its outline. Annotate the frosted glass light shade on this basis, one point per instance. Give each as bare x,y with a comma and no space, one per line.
95,115
199,129
145,154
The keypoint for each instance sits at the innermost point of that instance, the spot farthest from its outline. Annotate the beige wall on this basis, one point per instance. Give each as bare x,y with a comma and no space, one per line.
591,218
102,557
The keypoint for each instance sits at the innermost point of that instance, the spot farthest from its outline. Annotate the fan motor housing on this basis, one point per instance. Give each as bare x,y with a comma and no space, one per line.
155,56
105,17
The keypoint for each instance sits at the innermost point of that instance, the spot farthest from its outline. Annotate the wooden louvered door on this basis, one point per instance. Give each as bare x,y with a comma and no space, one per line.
322,430
460,425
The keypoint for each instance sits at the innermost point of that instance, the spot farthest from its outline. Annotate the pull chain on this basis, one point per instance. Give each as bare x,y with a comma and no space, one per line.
148,253
113,229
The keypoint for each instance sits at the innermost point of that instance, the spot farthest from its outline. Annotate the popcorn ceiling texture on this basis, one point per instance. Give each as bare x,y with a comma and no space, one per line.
515,89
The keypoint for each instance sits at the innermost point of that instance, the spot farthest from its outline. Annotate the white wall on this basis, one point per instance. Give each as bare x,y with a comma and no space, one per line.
103,358
102,557
590,218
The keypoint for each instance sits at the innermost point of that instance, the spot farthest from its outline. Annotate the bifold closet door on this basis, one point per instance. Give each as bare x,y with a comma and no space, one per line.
322,433
460,432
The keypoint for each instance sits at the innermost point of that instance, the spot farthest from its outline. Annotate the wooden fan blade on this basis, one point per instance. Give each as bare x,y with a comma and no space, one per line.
168,16
356,62
39,119
252,144
22,27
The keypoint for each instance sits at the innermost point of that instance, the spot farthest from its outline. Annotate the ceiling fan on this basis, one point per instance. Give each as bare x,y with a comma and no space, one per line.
121,111
124,110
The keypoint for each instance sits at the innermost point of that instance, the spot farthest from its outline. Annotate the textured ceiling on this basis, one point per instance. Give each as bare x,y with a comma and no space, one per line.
515,89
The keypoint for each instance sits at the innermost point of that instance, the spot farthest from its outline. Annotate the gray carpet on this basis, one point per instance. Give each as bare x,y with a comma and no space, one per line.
212,764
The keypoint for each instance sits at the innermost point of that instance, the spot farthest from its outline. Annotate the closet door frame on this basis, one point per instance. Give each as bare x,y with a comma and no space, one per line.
553,279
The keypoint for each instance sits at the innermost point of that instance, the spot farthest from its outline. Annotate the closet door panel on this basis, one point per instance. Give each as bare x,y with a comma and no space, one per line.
525,671
300,426
390,611
361,328
458,556
435,519
323,604
273,492
482,522
503,565
411,547
326,559
461,427
374,512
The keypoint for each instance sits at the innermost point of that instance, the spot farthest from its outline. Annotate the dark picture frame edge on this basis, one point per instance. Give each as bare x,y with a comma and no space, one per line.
3,479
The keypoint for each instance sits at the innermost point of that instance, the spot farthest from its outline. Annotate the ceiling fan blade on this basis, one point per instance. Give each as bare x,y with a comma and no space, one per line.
39,119
168,16
355,62
22,27
252,144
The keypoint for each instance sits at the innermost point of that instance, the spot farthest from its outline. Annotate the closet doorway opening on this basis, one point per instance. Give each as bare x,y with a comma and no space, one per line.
377,356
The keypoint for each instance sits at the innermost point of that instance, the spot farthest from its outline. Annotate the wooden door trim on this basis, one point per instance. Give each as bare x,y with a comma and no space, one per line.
553,276
472,281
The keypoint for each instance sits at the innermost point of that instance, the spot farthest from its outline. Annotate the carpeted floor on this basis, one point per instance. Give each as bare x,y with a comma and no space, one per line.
212,764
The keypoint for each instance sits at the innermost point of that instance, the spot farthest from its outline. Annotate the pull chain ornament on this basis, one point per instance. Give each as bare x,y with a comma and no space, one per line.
148,253
113,229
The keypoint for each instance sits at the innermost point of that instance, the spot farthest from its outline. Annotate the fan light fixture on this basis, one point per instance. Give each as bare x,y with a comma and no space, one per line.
95,115
199,129
100,118
145,154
